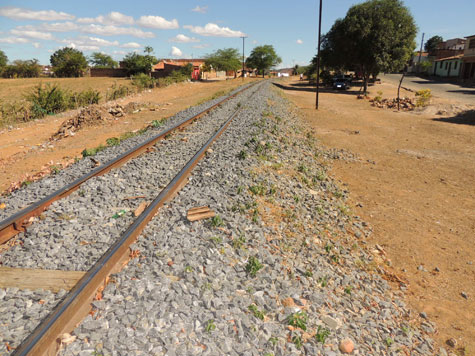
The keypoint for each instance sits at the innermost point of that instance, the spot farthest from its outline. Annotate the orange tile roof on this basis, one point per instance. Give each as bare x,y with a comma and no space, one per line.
447,58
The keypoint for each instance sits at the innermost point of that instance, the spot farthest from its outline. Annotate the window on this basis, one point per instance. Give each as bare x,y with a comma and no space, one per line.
441,65
446,65
471,44
455,64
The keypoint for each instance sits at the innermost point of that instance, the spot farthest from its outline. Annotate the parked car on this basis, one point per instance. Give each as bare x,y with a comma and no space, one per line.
340,84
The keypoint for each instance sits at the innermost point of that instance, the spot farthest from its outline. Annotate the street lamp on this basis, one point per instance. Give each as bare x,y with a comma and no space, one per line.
318,54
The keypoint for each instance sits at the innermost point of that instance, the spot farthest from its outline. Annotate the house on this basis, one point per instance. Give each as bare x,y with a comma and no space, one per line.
166,66
450,48
447,67
468,65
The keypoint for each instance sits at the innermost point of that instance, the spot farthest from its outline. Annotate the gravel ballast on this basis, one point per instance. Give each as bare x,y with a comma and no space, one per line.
283,269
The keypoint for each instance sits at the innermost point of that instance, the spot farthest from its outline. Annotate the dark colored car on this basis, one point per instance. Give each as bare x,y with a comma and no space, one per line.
340,84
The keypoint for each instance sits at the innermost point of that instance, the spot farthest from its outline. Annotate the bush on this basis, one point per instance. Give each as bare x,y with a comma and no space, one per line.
143,81
49,99
10,113
423,97
84,98
117,91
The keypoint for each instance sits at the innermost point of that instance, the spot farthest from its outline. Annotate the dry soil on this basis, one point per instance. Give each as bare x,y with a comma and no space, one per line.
414,183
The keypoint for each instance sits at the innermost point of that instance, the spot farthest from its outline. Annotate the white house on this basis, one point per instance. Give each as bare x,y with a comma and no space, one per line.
447,67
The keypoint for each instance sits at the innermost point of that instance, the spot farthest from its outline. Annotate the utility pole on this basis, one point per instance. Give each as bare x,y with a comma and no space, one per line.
420,52
242,73
318,53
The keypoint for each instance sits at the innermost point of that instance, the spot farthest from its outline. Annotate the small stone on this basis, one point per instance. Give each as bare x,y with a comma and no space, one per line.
421,268
437,269
330,322
347,346
423,315
465,295
451,342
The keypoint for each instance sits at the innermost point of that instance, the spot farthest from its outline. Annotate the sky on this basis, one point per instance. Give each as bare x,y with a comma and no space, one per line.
193,28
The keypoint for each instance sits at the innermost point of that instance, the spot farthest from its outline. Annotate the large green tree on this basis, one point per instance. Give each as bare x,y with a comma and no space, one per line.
102,60
374,36
226,59
3,59
68,62
263,58
432,43
136,63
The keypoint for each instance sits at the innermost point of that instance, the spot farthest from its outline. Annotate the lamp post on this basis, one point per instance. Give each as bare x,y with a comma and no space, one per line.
318,54
242,73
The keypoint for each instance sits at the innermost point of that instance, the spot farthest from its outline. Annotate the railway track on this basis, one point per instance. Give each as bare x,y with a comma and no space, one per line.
71,310
18,222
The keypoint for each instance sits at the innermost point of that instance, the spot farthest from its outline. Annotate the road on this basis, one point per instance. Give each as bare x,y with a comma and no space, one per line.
440,89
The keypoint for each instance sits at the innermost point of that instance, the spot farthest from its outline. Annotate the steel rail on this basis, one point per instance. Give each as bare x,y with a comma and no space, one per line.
64,317
18,222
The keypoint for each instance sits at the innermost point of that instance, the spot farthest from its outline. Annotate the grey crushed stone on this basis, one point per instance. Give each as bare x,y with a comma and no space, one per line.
189,291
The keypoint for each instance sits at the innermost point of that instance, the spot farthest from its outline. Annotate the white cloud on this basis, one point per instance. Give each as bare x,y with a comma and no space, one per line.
299,41
183,39
211,29
39,35
13,40
90,41
36,44
120,52
83,47
254,42
117,17
201,10
157,22
112,18
112,30
18,13
50,27
175,52
59,26
201,46
131,45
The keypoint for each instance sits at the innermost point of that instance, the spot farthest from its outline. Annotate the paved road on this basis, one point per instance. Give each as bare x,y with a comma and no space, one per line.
440,89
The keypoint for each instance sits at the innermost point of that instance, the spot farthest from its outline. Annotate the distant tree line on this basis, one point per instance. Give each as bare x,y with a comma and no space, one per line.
70,62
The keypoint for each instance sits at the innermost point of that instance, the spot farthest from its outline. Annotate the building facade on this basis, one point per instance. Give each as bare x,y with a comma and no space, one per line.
468,66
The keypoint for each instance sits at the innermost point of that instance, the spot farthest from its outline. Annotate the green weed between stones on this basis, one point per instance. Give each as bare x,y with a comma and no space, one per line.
322,334
253,266
299,320
297,340
210,326
256,312
217,221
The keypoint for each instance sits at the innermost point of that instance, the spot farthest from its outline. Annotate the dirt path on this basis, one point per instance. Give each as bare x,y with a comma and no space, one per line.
415,185
25,150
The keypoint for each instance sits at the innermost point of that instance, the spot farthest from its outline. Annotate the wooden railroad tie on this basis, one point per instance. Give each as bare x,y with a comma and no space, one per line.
199,213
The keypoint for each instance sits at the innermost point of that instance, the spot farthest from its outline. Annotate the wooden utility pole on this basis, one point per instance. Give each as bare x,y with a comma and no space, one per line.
420,51
318,53
242,74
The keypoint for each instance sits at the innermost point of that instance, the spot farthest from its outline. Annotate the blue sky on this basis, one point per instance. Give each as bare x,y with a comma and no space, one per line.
35,29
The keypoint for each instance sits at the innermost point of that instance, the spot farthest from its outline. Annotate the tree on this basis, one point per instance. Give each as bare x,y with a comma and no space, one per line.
432,43
102,60
135,63
224,59
263,58
68,62
3,59
374,36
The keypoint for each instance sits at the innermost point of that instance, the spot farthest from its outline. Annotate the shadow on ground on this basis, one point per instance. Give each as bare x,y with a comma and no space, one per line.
463,118
311,89
469,92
